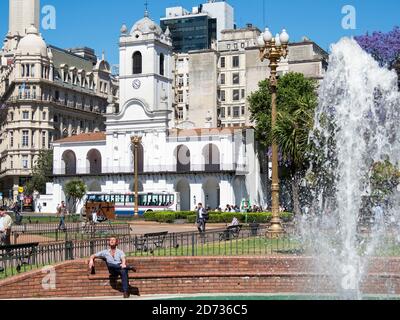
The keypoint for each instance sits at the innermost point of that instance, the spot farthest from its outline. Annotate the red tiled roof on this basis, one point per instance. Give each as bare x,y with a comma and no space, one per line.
84,137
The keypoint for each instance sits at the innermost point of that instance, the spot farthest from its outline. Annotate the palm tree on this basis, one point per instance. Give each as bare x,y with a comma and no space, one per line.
296,104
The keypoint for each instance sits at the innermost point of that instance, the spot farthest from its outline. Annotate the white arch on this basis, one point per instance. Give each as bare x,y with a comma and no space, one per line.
68,162
211,158
94,162
182,157
183,187
211,191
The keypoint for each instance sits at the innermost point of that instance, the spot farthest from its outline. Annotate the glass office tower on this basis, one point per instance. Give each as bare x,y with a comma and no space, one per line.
194,32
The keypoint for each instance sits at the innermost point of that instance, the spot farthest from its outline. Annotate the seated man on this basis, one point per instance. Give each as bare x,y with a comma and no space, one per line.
116,263
5,227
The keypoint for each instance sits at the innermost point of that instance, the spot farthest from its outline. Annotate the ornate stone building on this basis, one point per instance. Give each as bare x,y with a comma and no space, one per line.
46,93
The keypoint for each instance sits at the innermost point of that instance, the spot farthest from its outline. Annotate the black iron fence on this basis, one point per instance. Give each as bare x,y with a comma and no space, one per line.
223,242
247,241
46,233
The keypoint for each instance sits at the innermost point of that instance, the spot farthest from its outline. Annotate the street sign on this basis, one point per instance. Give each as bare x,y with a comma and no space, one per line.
21,189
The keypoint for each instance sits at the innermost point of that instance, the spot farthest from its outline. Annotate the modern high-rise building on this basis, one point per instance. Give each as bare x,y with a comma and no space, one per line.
200,28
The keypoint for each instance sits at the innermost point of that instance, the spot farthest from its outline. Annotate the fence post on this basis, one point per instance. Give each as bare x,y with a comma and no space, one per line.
91,247
69,250
193,235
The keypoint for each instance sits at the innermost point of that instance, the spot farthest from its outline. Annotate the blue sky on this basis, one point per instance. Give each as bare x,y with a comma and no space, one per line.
96,23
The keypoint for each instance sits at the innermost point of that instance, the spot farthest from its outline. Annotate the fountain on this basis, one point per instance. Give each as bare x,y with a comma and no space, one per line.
356,129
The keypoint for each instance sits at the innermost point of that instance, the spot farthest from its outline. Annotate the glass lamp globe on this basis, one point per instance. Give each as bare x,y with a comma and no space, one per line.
284,37
260,41
267,35
277,40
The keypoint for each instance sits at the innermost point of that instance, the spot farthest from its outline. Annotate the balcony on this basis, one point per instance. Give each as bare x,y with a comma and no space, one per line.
158,169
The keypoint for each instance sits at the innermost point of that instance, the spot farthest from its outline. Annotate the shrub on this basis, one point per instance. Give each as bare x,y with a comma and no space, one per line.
184,214
150,216
287,216
165,217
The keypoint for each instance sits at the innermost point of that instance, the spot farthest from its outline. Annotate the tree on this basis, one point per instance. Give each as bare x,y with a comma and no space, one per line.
41,173
384,47
75,190
296,104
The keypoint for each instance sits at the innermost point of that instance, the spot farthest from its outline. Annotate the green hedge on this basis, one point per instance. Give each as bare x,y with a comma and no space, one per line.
165,217
227,217
223,217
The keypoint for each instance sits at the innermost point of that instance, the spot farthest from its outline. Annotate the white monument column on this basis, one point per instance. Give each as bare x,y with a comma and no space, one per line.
23,14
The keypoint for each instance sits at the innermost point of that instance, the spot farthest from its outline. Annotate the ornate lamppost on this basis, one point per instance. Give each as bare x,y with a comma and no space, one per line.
273,49
136,141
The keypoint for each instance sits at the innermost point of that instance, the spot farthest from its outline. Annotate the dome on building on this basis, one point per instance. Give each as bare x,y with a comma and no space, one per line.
146,25
32,43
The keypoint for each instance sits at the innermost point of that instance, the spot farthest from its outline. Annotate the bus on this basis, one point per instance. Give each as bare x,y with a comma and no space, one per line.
148,202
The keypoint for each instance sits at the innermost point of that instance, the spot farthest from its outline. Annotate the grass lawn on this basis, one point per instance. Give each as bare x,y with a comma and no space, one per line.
236,247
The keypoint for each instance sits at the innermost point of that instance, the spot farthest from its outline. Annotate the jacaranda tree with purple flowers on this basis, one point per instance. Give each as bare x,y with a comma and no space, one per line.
384,47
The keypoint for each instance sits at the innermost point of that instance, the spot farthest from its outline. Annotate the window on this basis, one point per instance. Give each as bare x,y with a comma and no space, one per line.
243,111
229,111
11,162
25,162
43,139
55,119
180,97
223,95
236,78
50,140
236,112
222,78
235,45
243,93
137,63
12,116
235,62
25,138
25,115
57,95
11,139
180,113
180,81
242,45
223,62
228,46
236,95
222,113
187,79
162,64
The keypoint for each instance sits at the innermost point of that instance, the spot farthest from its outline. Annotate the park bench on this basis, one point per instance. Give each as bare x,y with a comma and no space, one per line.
149,241
22,253
231,232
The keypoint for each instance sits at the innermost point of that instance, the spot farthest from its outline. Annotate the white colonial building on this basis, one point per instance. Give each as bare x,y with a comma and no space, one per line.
215,166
